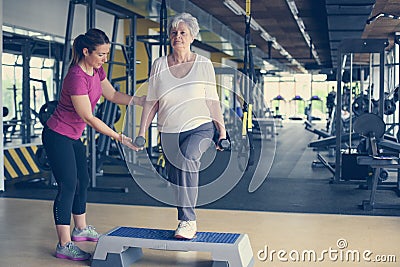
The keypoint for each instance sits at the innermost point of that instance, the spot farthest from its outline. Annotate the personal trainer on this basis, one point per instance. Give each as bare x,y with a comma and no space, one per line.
82,87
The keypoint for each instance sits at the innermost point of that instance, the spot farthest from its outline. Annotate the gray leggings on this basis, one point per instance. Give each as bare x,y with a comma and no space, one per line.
183,152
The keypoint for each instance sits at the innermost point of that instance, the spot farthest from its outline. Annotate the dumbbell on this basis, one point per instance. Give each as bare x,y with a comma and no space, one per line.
139,142
224,144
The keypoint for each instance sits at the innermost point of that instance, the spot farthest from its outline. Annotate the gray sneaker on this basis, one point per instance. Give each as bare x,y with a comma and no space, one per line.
87,234
71,252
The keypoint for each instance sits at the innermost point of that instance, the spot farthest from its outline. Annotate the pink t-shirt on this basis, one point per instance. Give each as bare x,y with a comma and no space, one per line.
65,120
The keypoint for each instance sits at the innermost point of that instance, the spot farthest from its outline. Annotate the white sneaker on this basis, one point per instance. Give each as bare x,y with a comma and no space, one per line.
186,230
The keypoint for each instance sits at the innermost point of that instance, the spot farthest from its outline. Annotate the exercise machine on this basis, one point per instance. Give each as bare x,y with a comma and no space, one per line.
372,127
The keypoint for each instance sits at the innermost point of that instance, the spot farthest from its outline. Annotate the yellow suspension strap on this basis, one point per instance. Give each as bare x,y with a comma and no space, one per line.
248,7
250,118
247,123
244,124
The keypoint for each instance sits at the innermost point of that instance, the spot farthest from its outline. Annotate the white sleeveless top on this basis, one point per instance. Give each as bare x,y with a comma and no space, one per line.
182,101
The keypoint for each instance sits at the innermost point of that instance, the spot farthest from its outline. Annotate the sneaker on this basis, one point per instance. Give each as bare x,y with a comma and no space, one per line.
87,234
186,230
71,252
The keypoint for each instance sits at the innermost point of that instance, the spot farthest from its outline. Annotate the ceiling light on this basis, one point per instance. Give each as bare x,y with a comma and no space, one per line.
293,7
276,45
302,28
266,36
234,7
238,10
283,52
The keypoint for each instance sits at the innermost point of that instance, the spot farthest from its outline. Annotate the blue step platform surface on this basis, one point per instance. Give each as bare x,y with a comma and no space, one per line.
122,246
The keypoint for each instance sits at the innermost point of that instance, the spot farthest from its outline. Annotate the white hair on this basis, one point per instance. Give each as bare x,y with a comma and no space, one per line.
188,19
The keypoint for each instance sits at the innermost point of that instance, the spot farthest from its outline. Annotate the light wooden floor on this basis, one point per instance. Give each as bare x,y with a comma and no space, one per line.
27,236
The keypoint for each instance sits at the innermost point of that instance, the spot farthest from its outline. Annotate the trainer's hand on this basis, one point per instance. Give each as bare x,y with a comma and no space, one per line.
127,141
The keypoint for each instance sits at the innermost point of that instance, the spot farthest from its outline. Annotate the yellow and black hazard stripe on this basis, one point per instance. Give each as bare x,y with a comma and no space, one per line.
20,161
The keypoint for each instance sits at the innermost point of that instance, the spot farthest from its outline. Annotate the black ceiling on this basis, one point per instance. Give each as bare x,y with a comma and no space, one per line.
346,19
327,22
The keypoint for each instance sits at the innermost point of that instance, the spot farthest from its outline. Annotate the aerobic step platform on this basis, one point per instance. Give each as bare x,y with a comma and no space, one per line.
122,246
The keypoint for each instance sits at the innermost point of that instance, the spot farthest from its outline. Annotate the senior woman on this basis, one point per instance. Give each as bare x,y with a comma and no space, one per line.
182,91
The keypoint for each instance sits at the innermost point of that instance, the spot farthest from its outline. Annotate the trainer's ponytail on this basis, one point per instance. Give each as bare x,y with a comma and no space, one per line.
90,40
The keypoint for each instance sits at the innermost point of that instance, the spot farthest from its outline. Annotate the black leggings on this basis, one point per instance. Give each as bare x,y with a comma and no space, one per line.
68,163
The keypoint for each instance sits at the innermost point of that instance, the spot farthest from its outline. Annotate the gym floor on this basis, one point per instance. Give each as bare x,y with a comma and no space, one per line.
295,209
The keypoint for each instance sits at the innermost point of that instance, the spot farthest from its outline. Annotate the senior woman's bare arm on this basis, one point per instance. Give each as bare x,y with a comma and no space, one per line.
150,109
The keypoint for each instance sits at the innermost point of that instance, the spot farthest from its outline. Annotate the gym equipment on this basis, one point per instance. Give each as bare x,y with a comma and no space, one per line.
244,129
108,159
139,142
122,246
373,127
350,47
7,124
5,112
224,144
246,149
331,140
363,104
120,14
278,105
324,163
315,104
46,110
41,159
389,106
267,127
360,105
298,104
101,110
320,133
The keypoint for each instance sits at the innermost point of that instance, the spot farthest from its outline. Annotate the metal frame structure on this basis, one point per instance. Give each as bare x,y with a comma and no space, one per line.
350,46
28,47
149,41
129,50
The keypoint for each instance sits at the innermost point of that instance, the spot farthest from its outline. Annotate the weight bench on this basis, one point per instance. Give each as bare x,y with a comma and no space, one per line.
321,133
331,141
122,246
373,127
